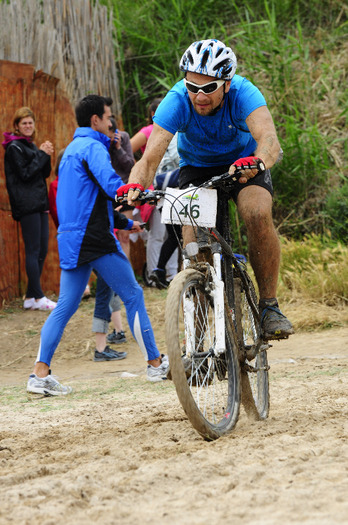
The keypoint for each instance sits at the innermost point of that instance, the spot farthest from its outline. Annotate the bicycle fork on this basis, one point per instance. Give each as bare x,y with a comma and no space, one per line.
217,291
219,306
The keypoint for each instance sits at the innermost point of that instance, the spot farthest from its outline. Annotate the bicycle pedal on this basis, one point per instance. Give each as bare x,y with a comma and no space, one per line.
274,337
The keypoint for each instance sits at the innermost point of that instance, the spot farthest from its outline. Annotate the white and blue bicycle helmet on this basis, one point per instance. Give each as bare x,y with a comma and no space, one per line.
209,57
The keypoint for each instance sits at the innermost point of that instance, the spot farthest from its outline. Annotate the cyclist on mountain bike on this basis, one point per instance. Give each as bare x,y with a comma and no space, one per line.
223,122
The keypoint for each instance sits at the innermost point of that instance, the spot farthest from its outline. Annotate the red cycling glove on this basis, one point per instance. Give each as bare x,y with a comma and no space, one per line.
250,163
123,190
247,163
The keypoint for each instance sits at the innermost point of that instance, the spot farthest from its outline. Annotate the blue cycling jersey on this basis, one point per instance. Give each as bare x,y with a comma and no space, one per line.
211,140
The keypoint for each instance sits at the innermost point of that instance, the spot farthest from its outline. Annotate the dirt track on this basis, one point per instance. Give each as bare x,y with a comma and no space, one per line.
120,450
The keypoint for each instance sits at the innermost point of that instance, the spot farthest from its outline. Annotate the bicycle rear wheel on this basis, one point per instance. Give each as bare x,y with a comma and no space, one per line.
254,370
207,386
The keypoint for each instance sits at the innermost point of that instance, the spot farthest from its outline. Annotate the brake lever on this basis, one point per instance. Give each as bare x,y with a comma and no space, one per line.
220,180
144,197
150,198
237,174
214,182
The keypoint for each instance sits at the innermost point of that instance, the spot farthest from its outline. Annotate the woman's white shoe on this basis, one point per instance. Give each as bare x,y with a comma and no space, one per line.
44,304
29,304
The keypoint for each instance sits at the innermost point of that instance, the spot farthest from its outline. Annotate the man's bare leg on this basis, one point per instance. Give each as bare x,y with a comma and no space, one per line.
188,235
255,207
41,369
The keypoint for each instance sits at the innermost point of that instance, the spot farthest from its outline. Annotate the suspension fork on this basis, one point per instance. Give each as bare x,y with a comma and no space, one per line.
223,228
219,306
216,285
189,312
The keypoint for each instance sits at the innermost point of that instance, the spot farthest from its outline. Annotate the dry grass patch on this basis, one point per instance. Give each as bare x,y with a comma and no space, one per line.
314,270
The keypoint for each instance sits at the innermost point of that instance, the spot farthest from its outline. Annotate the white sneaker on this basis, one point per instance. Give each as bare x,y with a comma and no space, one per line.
156,374
44,304
48,386
29,304
165,359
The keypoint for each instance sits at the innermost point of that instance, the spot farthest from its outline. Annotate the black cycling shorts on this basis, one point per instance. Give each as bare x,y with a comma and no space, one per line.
196,176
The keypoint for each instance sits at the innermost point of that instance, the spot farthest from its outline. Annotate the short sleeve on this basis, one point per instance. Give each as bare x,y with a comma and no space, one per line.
248,99
172,111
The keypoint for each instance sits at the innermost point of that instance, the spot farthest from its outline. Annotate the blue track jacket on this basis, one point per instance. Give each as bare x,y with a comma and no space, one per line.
85,199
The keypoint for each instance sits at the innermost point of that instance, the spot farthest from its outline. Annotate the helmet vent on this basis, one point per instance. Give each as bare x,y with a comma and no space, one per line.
223,65
199,47
219,52
190,57
205,57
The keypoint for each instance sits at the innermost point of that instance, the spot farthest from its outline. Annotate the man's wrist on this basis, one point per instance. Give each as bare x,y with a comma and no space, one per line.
137,181
130,224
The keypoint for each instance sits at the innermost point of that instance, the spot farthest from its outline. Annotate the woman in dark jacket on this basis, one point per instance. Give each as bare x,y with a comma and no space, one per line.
27,168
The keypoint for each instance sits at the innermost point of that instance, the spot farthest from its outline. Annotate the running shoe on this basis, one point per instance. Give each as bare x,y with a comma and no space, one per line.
29,304
44,304
165,359
48,386
109,355
157,374
158,277
116,337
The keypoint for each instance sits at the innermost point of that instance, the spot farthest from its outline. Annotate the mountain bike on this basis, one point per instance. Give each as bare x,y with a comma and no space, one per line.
217,356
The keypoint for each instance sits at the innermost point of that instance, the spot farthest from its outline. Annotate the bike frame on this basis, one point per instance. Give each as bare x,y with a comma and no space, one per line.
222,272
217,284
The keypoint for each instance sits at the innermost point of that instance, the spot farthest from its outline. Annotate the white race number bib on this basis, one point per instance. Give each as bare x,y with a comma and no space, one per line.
191,206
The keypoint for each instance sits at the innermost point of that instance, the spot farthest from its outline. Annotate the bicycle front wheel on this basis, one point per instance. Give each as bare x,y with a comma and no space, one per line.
208,386
254,370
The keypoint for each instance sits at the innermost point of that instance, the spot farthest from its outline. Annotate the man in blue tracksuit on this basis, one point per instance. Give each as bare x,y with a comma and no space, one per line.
86,191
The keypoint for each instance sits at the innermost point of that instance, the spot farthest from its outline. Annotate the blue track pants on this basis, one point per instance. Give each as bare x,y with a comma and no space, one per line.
117,272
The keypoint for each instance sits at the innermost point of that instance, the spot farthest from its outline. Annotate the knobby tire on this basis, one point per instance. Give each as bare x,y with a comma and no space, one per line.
254,372
208,388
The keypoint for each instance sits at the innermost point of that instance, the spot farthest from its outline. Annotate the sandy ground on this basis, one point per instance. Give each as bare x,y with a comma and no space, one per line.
120,450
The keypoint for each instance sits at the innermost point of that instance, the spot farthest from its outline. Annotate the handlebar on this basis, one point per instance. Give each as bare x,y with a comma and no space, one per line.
218,180
225,180
149,196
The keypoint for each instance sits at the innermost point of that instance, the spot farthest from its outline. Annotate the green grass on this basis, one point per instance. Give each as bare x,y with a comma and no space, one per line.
32,333
313,270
